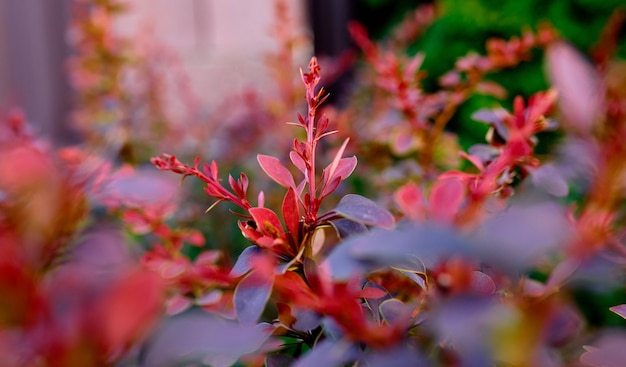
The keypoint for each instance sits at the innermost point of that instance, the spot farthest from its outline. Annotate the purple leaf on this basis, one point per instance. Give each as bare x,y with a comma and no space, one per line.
609,351
578,85
276,171
244,261
329,353
548,179
490,116
196,336
278,360
395,311
380,248
518,237
484,152
346,227
396,357
250,297
363,210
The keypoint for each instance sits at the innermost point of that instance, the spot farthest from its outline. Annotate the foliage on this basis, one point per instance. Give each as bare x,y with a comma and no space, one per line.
453,264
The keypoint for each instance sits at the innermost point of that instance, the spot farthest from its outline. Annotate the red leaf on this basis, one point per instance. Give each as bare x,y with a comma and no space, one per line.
276,171
372,292
267,222
291,214
446,197
129,307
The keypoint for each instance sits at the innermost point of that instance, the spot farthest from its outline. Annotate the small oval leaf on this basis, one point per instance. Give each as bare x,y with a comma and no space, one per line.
363,210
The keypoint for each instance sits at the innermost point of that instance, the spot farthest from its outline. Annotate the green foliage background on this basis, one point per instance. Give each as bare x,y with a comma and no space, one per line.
465,25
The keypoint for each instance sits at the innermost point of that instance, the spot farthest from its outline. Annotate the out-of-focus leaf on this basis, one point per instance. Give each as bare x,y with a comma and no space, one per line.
445,198
608,351
577,84
620,310
495,118
129,306
374,303
363,210
329,353
250,297
484,152
244,261
306,320
482,283
410,200
276,171
516,238
548,179
380,248
372,292
412,267
469,324
346,227
395,311
197,336
564,270
563,326
396,357
141,188
278,360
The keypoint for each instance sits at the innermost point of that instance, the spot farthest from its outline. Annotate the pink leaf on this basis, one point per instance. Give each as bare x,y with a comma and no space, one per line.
410,201
482,283
446,197
297,161
276,171
345,167
332,167
620,310
577,83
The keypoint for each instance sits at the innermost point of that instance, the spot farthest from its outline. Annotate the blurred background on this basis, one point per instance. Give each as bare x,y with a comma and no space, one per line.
221,45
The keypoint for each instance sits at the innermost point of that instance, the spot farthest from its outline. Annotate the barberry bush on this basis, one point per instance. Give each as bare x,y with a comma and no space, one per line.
493,255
